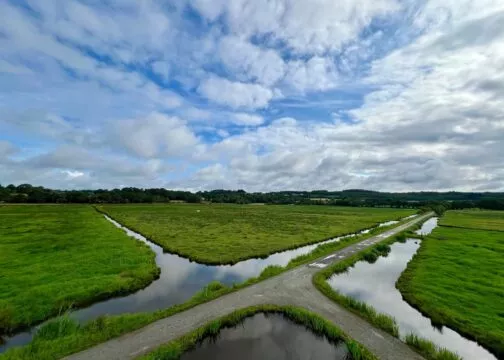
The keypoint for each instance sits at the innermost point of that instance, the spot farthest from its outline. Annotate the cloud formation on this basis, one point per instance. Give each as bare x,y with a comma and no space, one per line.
260,95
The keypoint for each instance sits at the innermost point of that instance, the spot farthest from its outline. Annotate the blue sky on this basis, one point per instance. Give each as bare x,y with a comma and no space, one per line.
254,94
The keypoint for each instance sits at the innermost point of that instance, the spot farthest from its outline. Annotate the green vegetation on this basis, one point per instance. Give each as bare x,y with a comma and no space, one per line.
381,321
26,193
226,234
63,336
313,322
74,338
53,257
467,265
367,312
429,350
474,219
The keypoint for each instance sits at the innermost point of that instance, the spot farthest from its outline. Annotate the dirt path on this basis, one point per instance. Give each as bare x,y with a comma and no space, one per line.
293,287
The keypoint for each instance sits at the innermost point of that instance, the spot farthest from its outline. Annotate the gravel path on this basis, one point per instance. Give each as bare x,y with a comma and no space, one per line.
293,287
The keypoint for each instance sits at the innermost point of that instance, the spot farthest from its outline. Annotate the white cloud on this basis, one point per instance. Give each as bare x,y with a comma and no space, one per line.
79,106
73,174
155,135
247,119
251,62
315,74
235,94
305,26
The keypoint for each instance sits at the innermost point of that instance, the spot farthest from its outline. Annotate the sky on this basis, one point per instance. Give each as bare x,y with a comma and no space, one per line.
260,95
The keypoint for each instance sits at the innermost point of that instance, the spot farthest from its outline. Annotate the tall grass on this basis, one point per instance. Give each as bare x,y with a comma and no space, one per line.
429,350
226,234
174,349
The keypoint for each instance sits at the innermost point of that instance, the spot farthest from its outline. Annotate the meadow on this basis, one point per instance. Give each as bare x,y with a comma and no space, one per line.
457,276
53,257
226,234
474,219
63,336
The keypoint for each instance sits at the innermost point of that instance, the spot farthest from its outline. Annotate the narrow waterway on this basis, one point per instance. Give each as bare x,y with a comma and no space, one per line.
374,284
179,280
268,337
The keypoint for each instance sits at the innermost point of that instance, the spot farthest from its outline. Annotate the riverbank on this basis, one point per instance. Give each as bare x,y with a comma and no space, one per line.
468,267
57,257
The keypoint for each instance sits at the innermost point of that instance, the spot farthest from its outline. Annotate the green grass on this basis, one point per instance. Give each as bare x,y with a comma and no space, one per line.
107,327
379,320
226,234
313,322
429,350
63,336
457,277
367,312
474,219
53,257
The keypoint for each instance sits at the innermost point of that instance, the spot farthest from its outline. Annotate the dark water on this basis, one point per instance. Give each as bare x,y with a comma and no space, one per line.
375,285
179,280
268,337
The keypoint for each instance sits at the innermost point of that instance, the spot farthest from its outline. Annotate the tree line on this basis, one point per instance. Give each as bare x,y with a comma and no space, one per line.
26,193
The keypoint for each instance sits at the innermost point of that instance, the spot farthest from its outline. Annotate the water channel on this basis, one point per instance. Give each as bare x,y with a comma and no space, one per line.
268,337
374,284
179,280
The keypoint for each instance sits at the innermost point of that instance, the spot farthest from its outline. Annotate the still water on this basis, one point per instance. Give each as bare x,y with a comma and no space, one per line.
374,284
268,337
179,280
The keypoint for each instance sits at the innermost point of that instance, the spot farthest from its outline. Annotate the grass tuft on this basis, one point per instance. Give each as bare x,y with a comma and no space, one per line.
56,328
429,350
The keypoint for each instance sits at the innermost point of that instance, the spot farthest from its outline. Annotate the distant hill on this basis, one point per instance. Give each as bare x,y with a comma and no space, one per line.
27,193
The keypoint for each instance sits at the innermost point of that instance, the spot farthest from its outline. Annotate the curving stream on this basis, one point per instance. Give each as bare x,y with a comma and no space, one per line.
375,285
179,280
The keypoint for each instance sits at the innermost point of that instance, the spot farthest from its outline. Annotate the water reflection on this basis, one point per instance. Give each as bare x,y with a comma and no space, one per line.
179,280
427,226
375,285
267,337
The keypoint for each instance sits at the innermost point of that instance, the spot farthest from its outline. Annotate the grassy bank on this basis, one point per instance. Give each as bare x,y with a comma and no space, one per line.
474,219
382,321
313,322
53,257
71,338
227,234
467,264
379,320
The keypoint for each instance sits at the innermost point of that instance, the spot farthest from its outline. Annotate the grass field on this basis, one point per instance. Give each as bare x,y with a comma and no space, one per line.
481,220
56,256
225,234
62,336
457,276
